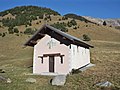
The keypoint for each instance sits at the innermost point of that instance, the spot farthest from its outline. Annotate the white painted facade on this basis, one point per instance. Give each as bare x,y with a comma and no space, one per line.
48,45
80,56
74,56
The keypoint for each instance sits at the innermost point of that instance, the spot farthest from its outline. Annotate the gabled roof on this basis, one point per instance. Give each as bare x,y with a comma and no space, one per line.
57,34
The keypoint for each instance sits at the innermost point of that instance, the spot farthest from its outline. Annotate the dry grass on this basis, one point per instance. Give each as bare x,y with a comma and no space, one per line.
15,60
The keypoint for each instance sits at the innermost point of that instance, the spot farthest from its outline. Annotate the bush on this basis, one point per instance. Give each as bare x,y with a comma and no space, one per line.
64,18
16,30
71,23
30,24
10,30
60,26
0,34
45,18
86,25
86,37
59,19
29,31
117,27
37,23
3,35
75,27
104,23
17,34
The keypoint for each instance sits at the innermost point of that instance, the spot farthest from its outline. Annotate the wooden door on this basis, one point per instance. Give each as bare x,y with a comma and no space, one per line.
51,63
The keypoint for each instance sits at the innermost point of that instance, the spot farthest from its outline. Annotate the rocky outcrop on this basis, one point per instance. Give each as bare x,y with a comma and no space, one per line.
31,80
110,22
59,80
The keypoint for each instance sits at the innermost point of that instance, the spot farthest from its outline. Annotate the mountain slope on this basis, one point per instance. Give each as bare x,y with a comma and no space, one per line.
112,22
24,15
28,10
74,16
16,60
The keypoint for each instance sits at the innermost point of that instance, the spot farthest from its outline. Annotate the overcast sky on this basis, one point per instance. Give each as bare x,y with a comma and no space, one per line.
93,8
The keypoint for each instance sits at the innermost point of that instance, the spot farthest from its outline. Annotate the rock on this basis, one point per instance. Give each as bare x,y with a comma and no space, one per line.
6,80
104,84
59,80
2,71
31,80
2,79
9,80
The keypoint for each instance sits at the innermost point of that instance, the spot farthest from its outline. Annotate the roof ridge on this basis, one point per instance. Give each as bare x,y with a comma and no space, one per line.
66,35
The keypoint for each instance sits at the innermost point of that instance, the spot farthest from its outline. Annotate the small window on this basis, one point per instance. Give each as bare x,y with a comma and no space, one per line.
70,46
61,57
77,48
42,60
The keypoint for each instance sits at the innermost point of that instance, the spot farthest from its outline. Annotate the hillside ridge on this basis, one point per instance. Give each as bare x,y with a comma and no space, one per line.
28,19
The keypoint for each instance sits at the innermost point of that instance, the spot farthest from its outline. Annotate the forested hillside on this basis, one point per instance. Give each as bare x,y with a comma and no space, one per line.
24,15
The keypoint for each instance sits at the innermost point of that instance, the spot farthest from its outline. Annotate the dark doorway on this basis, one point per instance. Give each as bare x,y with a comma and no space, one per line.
51,63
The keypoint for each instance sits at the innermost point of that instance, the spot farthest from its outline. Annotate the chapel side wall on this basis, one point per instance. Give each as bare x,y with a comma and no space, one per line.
80,56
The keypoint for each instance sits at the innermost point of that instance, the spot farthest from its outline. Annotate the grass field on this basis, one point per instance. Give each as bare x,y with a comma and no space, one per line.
15,59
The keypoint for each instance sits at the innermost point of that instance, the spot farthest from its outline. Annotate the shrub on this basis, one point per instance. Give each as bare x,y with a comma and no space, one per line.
37,23
60,26
64,18
21,32
104,23
69,24
59,19
3,35
86,25
117,27
29,31
17,34
45,18
110,26
16,30
30,24
86,37
10,30
75,27
73,22
0,34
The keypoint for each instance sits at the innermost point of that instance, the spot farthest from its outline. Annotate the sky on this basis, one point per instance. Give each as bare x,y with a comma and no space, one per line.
93,8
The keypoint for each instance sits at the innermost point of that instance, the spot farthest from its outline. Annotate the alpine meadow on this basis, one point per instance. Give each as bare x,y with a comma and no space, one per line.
18,24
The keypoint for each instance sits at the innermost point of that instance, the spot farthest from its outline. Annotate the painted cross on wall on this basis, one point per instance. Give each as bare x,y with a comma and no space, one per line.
51,43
